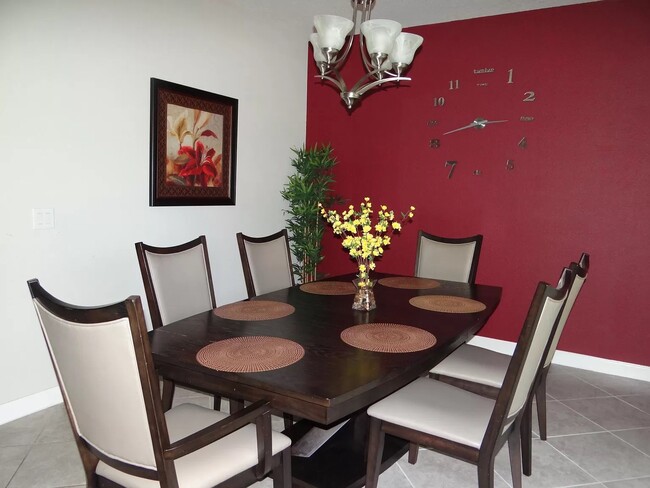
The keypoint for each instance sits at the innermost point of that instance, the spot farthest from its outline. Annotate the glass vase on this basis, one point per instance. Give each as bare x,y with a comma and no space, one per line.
364,297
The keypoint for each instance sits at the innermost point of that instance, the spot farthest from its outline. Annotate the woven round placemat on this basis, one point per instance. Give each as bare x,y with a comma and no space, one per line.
254,310
447,303
394,338
329,288
250,354
409,282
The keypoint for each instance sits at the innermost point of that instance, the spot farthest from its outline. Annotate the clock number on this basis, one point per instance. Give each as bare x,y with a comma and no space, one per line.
454,85
477,172
439,101
432,123
510,165
529,96
510,72
434,143
453,167
523,143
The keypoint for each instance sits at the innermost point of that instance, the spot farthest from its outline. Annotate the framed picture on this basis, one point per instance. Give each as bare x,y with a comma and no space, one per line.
193,146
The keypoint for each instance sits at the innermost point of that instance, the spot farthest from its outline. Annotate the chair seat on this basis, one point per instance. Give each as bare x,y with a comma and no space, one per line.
475,364
210,465
439,409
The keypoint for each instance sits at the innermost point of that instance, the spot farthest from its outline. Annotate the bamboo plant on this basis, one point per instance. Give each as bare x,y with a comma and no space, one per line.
307,187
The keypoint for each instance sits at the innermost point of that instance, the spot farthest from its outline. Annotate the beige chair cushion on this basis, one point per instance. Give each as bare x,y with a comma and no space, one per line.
445,261
181,281
475,364
210,465
439,409
269,264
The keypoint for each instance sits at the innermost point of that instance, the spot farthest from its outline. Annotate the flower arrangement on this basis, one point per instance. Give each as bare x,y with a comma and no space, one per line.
364,240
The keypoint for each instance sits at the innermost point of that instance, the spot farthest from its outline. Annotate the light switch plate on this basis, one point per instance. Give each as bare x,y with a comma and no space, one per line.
43,218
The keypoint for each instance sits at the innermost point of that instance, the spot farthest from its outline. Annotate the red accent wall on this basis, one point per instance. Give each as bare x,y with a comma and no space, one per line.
582,184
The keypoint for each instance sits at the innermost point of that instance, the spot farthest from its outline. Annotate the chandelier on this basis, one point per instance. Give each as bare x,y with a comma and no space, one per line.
386,51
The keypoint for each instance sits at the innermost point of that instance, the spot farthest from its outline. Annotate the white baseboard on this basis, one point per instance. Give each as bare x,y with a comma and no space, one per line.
33,403
581,361
39,401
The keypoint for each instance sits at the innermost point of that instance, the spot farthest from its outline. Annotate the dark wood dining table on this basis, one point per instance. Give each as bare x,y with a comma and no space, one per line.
333,381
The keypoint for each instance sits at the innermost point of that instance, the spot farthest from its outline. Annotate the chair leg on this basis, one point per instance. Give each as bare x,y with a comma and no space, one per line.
282,472
217,403
288,420
375,452
414,449
235,405
486,473
540,396
526,432
514,450
168,388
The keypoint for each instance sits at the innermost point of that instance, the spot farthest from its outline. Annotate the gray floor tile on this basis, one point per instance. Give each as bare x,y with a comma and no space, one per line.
24,431
633,483
433,469
10,459
610,413
394,477
561,420
603,456
550,468
57,427
639,438
49,466
560,369
564,387
616,385
642,402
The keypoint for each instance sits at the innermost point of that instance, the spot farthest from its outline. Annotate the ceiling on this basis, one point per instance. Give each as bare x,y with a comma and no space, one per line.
407,12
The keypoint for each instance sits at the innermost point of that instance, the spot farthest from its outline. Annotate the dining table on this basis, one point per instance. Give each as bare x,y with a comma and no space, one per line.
309,354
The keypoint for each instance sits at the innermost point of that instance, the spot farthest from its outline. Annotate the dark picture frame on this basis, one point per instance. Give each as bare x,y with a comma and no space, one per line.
193,146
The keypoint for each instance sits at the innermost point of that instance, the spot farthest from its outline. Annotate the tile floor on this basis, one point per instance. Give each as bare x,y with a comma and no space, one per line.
599,436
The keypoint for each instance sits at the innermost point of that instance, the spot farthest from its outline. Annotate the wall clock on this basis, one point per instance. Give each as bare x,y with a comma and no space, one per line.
480,120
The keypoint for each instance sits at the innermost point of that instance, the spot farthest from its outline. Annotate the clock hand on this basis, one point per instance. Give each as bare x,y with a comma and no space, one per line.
478,123
469,126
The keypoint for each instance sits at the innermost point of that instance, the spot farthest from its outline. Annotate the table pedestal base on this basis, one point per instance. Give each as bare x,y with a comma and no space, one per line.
341,461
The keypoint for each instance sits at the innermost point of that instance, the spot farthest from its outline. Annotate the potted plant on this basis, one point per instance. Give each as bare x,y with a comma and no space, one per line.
307,187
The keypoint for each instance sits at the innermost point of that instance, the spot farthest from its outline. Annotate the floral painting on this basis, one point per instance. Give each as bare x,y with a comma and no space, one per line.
192,146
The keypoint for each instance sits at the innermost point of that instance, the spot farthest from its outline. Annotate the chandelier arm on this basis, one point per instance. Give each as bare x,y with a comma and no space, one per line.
372,74
372,85
329,78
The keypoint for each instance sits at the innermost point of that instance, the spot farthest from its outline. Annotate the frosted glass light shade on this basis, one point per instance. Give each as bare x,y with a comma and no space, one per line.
380,35
405,47
319,57
332,30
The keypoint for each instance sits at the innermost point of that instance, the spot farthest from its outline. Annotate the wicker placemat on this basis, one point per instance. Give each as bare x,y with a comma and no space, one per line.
447,303
250,354
254,310
394,338
409,282
329,288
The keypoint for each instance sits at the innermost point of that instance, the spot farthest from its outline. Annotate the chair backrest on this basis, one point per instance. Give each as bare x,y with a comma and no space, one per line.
581,270
102,361
444,258
177,280
533,344
266,262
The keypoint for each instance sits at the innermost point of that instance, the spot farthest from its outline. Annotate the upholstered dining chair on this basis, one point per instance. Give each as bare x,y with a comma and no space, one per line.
266,262
447,258
483,371
178,284
103,364
463,424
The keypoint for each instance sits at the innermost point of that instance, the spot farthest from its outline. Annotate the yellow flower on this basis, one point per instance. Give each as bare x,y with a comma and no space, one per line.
397,226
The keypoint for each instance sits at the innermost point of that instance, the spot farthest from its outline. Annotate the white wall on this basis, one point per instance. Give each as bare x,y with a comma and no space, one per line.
74,136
